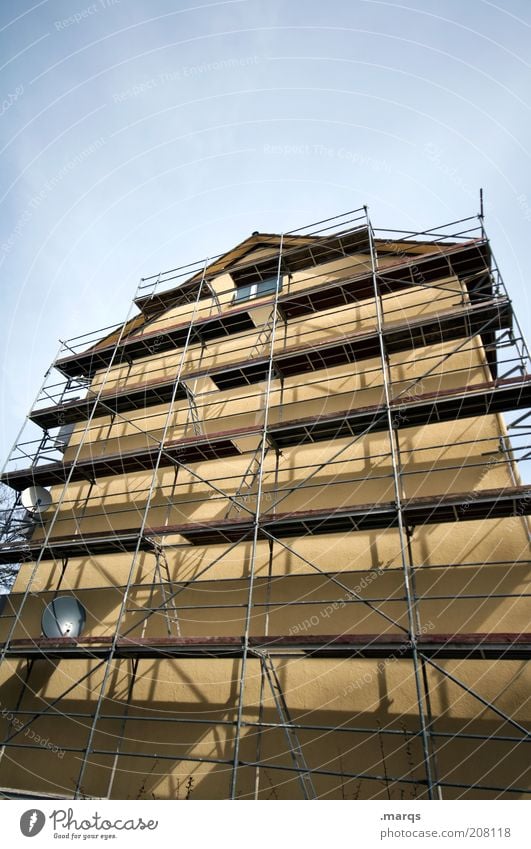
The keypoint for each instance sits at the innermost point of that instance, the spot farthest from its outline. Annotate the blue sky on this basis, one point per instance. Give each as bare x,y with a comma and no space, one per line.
137,136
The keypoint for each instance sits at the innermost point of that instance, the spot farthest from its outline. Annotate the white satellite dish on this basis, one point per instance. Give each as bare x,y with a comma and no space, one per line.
36,499
64,617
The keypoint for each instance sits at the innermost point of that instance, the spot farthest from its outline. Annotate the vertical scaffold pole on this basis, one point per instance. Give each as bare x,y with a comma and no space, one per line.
134,559
254,547
408,589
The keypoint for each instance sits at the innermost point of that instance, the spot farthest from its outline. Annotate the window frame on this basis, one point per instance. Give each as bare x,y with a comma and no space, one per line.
252,290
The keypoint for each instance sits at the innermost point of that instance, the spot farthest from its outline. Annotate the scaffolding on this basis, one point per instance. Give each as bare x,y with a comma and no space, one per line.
121,402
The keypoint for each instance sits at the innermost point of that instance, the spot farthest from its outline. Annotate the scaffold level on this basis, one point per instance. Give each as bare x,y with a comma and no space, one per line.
444,646
493,397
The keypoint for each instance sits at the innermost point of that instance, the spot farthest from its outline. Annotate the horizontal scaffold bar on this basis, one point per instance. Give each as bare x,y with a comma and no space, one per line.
408,411
434,509
460,260
497,396
478,646
481,318
299,252
414,271
157,342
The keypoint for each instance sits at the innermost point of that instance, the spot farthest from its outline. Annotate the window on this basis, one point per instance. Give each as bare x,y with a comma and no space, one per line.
256,290
63,437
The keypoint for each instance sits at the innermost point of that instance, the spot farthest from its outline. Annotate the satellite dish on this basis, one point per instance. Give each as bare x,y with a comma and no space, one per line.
36,499
64,617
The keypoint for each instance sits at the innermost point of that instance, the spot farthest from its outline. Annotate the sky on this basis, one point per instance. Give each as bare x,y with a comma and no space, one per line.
137,136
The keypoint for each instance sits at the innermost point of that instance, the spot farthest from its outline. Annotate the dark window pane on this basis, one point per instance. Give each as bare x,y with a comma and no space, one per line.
267,286
256,290
242,293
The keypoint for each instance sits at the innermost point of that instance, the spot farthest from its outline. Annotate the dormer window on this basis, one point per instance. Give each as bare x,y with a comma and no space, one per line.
256,290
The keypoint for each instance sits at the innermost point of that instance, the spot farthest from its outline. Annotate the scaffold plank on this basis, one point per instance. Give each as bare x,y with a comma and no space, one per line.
486,504
465,506
156,341
398,337
409,411
473,646
192,450
461,260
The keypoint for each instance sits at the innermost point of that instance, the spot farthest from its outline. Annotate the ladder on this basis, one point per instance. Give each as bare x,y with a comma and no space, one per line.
162,576
296,752
247,482
215,297
263,337
193,412
166,588
253,468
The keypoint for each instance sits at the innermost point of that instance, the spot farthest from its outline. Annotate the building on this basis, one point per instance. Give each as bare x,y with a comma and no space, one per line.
285,497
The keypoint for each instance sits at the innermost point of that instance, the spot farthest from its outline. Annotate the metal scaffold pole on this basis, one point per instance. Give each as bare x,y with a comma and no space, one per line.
411,601
123,606
256,526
